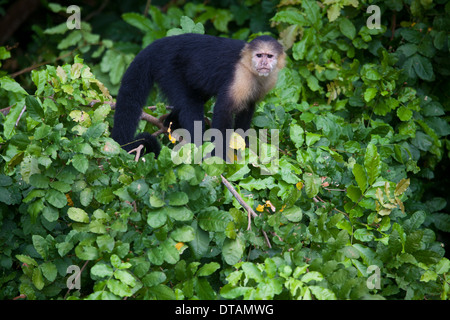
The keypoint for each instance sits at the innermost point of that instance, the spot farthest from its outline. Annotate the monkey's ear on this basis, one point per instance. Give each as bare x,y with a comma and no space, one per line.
282,60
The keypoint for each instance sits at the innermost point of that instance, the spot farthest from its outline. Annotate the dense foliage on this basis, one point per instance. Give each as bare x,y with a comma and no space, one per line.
352,209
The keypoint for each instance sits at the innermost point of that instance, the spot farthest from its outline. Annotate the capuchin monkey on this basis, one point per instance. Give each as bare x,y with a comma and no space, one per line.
190,69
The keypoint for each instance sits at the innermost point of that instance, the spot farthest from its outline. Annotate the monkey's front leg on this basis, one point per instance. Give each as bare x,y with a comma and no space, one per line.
243,120
221,121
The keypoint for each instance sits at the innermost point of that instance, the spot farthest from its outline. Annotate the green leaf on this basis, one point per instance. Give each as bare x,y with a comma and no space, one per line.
312,184
354,193
363,235
312,13
162,292
208,269
138,21
34,108
80,162
86,196
297,135
40,245
170,252
232,251
64,248
118,288
369,94
61,186
179,213
404,114
372,163
413,241
427,256
322,293
441,221
293,214
125,277
56,198
10,123
312,276
96,130
423,67
183,234
200,244
360,177
213,220
50,214
11,85
294,17
78,215
415,221
102,270
347,28
252,272
157,218
38,279
49,271
177,198
26,260
154,278
110,147
39,181
351,252
105,195
86,252
204,289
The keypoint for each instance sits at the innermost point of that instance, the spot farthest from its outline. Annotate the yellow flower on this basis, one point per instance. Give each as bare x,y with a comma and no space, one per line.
260,208
172,139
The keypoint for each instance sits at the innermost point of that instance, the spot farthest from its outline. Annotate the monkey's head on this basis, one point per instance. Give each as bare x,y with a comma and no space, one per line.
267,55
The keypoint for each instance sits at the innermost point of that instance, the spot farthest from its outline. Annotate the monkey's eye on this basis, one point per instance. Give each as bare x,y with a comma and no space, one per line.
259,55
270,56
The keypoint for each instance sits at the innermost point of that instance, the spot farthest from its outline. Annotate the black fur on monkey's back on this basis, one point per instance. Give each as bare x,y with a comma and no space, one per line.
189,69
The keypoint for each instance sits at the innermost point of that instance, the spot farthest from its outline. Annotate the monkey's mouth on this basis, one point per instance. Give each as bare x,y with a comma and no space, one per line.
263,71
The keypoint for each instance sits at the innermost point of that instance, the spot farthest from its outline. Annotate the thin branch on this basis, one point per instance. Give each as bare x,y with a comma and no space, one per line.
394,19
138,151
147,6
267,239
240,200
20,115
41,64
77,277
250,211
5,111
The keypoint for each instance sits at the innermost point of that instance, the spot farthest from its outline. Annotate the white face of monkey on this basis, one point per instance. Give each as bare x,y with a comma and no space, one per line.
264,62
264,58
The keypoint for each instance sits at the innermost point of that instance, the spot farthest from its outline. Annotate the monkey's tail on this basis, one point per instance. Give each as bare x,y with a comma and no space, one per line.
136,84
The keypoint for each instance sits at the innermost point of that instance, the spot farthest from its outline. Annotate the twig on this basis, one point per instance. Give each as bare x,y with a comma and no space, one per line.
394,18
267,239
5,111
77,277
20,115
250,211
147,6
240,200
138,152
145,116
40,64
